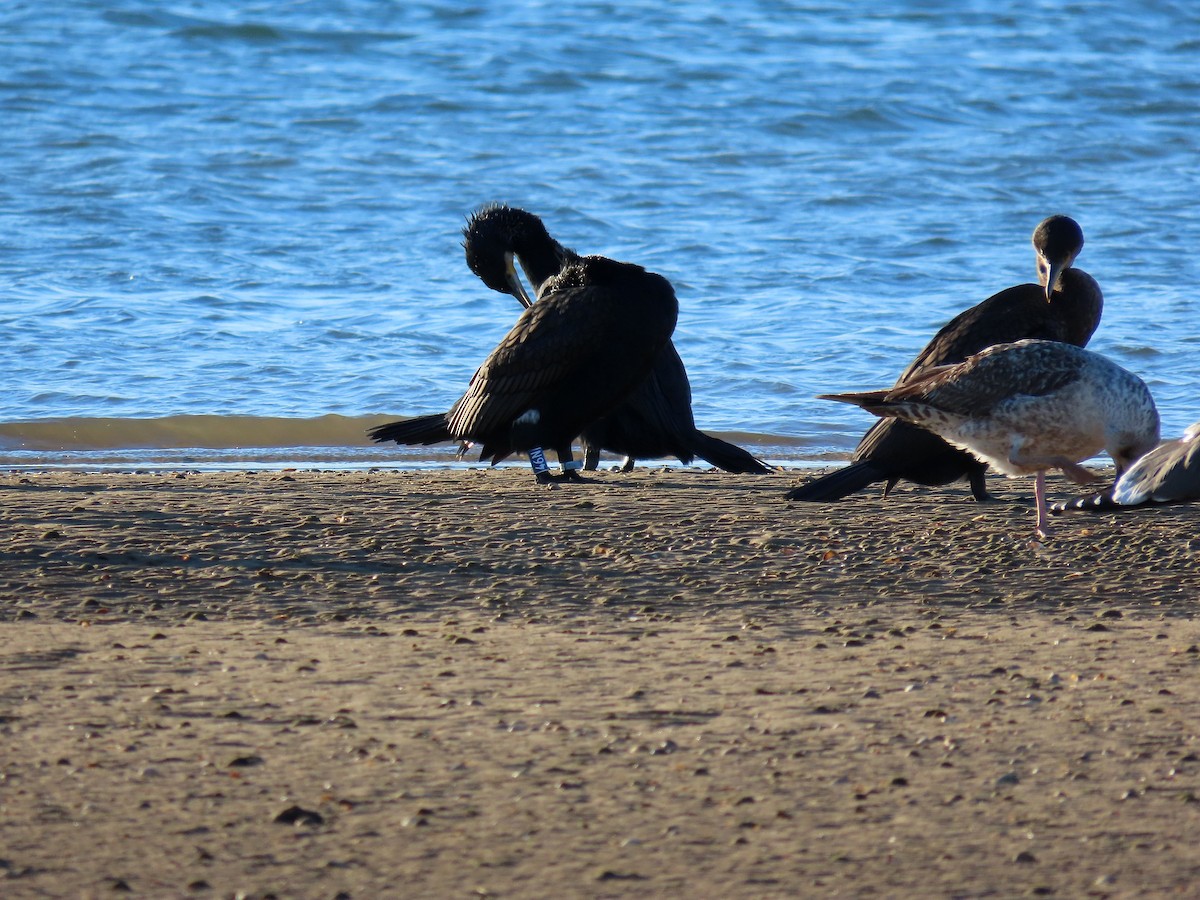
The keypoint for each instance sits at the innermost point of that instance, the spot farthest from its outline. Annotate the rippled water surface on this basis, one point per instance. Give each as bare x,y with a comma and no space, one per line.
251,211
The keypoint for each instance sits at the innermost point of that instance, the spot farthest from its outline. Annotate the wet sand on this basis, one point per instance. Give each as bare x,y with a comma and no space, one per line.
673,683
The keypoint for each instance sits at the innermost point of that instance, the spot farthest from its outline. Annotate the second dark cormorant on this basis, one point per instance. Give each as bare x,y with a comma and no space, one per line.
591,339
1064,306
656,419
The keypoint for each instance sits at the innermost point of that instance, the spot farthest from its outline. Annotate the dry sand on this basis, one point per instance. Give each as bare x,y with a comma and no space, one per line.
664,684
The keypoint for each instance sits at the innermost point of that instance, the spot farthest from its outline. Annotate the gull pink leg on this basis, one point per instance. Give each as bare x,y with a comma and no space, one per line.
1039,496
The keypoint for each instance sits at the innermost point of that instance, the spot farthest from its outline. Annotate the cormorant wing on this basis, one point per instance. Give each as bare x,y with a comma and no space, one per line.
667,404
1013,314
553,342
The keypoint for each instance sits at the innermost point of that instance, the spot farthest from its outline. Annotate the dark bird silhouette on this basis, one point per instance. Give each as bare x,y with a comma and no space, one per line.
1064,306
1028,407
656,419
1170,473
591,339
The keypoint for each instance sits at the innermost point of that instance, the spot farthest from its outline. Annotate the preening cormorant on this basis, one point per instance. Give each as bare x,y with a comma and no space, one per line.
1064,306
1028,407
656,419
591,339
1170,473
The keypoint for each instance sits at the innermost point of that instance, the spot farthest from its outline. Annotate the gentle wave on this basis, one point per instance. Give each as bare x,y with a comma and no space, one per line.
187,431
211,441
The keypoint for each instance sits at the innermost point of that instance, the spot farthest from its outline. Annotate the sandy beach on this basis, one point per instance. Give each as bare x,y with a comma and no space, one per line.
669,683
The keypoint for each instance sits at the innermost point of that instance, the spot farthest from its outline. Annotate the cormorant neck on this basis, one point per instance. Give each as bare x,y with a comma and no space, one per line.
541,261
1077,283
1080,303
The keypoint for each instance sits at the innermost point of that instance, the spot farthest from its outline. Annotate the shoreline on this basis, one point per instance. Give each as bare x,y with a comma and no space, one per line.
340,459
669,682
285,462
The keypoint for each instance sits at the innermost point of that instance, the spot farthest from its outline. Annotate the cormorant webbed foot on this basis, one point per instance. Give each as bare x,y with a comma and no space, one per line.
570,472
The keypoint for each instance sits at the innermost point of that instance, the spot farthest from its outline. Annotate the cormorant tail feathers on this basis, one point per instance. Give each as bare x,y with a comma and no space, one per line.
727,456
417,430
839,484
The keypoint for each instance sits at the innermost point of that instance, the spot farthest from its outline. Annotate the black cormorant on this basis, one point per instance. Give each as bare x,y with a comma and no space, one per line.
591,339
656,419
1064,306
1028,407
1170,473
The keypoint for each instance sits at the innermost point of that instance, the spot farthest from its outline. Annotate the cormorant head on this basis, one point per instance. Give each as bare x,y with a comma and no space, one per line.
497,237
1056,241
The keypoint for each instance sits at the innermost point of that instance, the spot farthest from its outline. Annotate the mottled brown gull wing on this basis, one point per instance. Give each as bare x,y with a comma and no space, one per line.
997,375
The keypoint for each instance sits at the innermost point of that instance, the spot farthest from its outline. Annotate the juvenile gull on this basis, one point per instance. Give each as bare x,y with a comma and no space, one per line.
591,339
656,419
1064,306
1028,407
1170,473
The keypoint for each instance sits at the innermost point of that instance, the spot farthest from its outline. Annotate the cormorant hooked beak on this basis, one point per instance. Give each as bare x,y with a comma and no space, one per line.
516,288
1056,269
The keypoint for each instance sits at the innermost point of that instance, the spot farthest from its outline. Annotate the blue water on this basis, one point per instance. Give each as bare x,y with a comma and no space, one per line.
252,211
